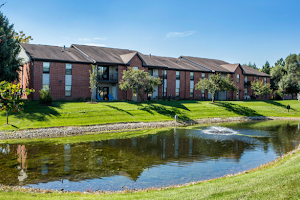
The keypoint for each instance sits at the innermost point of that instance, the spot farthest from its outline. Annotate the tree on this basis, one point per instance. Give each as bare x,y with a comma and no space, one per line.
216,83
277,73
9,50
93,80
139,81
260,88
10,97
22,37
289,84
266,68
280,62
253,66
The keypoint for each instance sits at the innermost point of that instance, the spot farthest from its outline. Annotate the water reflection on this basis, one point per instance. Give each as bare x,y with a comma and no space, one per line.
169,157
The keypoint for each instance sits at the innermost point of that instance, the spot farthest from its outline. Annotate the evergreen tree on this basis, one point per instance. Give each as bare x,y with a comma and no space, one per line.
253,66
9,50
266,68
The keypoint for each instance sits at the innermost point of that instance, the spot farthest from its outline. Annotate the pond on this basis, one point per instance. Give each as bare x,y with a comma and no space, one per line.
163,158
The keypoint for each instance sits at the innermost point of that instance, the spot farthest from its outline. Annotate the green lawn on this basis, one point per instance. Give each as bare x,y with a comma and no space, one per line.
81,113
279,181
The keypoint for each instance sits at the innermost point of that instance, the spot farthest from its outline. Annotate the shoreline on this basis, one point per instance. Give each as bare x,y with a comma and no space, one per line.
68,131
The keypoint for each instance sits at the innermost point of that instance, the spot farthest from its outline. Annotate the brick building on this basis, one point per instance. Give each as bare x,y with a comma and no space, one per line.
65,72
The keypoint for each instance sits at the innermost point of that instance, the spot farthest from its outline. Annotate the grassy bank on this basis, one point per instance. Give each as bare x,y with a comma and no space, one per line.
278,181
81,113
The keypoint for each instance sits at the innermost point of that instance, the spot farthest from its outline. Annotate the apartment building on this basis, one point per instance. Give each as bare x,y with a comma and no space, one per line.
65,72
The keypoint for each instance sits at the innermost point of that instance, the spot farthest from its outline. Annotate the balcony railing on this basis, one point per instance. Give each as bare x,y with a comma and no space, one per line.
247,84
111,77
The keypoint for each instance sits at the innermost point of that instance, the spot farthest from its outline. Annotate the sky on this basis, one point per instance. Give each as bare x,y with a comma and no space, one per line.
234,31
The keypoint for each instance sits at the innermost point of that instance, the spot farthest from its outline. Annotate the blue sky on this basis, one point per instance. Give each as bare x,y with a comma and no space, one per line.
233,31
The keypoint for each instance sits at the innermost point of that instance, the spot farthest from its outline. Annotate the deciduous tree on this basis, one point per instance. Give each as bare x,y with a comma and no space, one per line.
216,83
260,88
22,38
139,81
10,97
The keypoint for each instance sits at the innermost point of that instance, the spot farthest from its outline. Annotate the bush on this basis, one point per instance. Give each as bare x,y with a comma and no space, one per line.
277,95
80,99
88,99
45,97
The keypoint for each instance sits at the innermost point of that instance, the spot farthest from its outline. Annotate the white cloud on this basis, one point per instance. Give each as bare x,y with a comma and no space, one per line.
100,38
84,39
180,34
97,45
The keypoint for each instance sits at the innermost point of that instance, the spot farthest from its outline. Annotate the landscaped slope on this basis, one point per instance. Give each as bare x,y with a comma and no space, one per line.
81,113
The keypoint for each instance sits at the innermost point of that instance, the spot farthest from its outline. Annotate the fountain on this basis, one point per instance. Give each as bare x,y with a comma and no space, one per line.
219,130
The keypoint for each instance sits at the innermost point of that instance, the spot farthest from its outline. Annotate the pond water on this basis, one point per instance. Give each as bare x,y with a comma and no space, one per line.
170,157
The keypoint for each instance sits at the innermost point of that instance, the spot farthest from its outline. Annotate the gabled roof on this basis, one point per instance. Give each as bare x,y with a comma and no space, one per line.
53,53
254,72
105,55
126,58
231,67
210,64
171,63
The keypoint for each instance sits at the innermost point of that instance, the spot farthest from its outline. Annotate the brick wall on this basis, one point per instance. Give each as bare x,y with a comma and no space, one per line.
171,82
80,80
239,84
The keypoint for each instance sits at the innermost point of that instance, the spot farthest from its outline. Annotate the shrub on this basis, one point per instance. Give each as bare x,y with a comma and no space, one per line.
80,99
277,95
88,99
45,97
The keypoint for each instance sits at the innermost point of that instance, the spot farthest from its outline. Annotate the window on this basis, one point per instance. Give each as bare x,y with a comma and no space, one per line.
165,74
245,91
165,84
191,76
257,78
135,67
237,78
46,75
265,80
103,73
68,80
177,92
46,81
177,88
202,93
68,69
177,75
150,71
191,92
46,67
203,75
237,95
245,79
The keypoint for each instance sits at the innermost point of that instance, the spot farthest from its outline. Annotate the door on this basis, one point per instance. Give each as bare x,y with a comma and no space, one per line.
134,96
104,92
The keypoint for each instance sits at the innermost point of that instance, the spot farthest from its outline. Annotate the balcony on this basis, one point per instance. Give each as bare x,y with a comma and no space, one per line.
247,84
108,78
